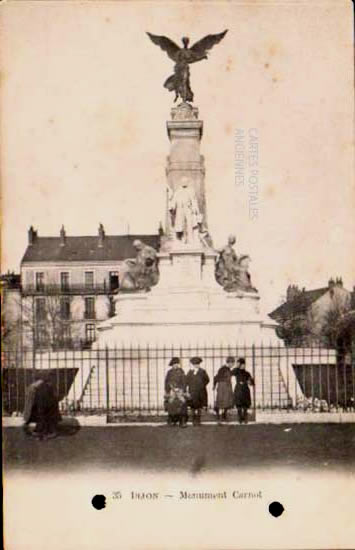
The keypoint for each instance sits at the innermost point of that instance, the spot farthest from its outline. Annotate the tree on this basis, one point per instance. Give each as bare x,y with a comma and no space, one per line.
298,327
45,323
330,324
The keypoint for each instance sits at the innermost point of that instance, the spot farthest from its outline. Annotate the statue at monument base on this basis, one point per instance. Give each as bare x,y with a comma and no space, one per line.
141,272
232,272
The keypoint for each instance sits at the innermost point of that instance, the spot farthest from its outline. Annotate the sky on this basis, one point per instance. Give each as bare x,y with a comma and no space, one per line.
84,141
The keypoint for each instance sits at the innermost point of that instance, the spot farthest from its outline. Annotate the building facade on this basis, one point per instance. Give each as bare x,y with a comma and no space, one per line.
309,316
68,285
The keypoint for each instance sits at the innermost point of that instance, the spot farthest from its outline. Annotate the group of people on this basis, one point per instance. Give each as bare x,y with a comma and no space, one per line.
183,391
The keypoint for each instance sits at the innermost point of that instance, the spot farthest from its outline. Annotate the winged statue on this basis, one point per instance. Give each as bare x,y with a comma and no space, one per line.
179,82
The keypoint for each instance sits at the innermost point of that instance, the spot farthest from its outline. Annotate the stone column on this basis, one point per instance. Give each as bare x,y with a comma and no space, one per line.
185,132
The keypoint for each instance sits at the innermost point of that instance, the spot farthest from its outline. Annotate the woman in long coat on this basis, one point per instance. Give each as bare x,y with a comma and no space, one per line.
242,394
223,382
196,382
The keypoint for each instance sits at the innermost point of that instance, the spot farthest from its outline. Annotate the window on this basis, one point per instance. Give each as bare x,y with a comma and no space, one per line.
90,333
40,309
41,336
63,340
90,308
114,280
89,279
40,281
65,309
64,280
29,279
65,333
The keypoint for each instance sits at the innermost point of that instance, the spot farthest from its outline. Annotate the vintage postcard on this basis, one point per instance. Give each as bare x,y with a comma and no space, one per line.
177,274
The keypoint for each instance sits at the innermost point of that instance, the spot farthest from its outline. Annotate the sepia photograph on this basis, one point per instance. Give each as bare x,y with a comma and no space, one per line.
177,274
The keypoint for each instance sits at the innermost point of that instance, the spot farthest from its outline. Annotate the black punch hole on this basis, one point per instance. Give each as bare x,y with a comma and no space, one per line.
99,502
276,509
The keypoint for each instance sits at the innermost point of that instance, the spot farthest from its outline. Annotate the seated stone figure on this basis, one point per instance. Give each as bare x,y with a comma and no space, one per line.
232,272
243,279
226,264
141,272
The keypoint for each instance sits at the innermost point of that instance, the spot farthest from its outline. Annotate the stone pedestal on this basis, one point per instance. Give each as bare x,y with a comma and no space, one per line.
188,269
187,306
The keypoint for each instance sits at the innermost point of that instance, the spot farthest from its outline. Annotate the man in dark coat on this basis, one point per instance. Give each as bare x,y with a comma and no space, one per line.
41,406
196,381
241,391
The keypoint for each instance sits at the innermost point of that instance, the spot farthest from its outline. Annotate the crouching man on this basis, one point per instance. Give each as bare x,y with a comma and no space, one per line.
41,407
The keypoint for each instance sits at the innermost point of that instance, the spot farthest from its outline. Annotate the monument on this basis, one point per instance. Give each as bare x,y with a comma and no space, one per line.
187,293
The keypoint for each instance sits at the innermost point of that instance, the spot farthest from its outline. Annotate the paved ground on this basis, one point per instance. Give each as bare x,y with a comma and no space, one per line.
207,448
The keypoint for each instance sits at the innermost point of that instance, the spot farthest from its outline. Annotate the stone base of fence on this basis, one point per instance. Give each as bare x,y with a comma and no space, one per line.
294,417
262,417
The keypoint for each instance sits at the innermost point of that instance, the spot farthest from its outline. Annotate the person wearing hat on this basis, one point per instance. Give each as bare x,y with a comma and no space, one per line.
223,382
175,377
241,391
175,402
196,382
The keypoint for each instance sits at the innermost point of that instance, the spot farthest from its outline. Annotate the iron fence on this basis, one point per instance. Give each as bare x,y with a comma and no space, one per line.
127,381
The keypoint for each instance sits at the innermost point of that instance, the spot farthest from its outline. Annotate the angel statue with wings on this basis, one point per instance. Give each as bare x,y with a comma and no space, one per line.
179,82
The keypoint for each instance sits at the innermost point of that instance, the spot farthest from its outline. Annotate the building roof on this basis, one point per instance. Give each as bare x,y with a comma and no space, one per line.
86,249
10,280
299,304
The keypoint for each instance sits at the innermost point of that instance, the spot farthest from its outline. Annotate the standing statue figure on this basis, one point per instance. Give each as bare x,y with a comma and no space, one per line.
141,272
179,82
232,272
185,214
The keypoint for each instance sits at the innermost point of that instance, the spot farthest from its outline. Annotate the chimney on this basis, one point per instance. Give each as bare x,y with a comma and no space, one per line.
339,282
161,230
331,283
101,235
292,292
62,236
32,236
